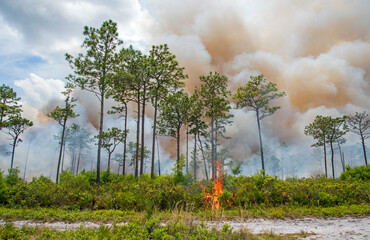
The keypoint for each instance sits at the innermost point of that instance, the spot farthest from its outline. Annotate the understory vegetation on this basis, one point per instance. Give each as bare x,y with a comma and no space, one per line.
151,229
172,192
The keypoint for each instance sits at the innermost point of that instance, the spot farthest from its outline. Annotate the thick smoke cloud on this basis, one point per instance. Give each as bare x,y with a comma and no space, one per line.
316,52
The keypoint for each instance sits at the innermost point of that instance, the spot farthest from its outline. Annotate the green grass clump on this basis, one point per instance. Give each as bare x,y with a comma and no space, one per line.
148,229
124,197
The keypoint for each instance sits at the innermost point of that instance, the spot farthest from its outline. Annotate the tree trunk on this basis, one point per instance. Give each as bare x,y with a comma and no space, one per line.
137,136
25,166
154,136
73,161
178,148
326,168
204,159
14,144
341,157
195,157
187,149
212,149
100,136
363,147
216,140
142,137
109,155
61,149
260,138
332,157
78,161
159,162
125,143
64,153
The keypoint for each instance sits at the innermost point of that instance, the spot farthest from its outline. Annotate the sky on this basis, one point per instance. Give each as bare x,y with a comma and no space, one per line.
317,52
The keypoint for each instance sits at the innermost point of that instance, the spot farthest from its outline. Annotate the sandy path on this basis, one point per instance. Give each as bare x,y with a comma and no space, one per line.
335,228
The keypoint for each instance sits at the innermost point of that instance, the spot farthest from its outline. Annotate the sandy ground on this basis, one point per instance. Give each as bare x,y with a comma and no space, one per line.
335,228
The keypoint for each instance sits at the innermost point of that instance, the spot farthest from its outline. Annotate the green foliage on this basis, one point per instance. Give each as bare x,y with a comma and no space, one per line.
237,169
94,69
178,191
8,105
12,178
61,114
360,173
326,129
359,124
139,229
177,169
173,114
111,139
214,94
256,94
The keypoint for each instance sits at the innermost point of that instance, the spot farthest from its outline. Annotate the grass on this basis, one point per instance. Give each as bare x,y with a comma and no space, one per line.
150,229
237,214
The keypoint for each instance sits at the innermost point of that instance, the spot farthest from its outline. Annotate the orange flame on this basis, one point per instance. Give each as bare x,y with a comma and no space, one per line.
211,199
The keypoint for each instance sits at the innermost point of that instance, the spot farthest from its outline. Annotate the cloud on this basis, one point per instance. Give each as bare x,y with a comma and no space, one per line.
39,91
316,52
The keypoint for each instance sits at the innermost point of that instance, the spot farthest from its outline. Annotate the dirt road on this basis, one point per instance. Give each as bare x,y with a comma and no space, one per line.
335,228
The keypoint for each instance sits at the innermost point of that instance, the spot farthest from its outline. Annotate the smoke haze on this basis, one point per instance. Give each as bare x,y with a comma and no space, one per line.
316,52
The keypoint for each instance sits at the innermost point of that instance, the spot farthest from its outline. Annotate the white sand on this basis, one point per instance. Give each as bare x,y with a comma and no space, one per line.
334,228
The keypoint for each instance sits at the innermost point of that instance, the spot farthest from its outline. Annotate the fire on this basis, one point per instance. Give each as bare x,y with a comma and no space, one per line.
211,199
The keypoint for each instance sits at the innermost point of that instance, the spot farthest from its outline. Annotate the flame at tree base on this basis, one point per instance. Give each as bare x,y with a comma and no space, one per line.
211,199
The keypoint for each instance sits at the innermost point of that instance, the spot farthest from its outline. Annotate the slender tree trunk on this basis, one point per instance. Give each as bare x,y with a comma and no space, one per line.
195,157
14,144
125,143
64,153
332,157
137,137
187,149
100,137
78,161
142,136
109,155
25,166
212,149
216,140
178,148
204,159
341,157
326,168
73,160
363,147
159,162
154,136
61,149
260,138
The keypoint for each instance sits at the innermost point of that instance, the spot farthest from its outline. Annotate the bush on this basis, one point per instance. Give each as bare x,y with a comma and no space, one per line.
361,173
179,191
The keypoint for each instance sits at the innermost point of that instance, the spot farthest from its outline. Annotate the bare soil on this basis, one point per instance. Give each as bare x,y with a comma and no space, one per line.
334,228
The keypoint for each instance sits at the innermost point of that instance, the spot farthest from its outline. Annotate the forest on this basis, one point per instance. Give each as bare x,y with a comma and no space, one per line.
205,182
135,80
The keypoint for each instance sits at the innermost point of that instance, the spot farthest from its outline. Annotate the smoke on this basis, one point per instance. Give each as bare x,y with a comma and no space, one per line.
316,52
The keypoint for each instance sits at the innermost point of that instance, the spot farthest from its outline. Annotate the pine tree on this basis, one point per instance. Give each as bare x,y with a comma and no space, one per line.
256,96
93,69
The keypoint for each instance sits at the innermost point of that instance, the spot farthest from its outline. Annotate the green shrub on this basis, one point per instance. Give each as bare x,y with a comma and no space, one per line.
356,173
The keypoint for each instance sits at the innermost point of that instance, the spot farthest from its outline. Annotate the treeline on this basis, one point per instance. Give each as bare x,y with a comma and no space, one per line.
327,130
168,192
127,75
